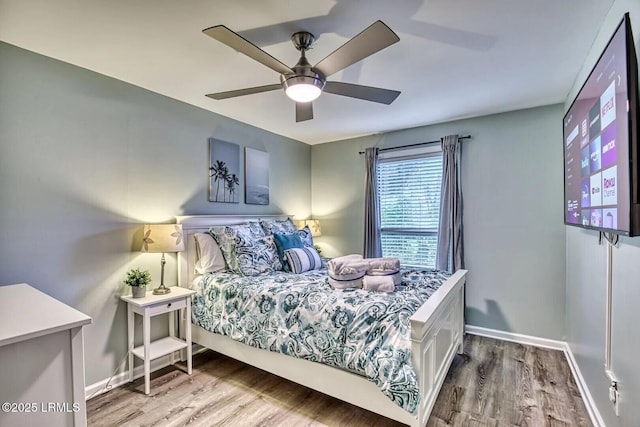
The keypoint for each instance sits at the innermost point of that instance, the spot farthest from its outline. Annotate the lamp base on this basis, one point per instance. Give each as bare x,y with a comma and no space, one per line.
161,290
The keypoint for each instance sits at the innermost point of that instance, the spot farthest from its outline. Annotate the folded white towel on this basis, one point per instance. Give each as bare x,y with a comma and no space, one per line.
348,264
345,284
383,266
381,283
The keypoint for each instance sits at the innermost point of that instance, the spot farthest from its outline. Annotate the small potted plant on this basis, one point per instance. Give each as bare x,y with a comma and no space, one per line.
138,280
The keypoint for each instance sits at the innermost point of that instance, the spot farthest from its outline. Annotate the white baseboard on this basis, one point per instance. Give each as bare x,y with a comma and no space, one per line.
596,418
518,338
563,346
117,380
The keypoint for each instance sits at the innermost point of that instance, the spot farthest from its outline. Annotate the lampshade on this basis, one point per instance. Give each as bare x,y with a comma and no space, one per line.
162,238
314,226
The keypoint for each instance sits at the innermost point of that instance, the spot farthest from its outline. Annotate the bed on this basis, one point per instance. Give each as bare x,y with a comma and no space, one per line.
436,335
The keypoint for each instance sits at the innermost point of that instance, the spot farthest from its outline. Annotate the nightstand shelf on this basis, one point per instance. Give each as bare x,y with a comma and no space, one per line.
161,347
153,305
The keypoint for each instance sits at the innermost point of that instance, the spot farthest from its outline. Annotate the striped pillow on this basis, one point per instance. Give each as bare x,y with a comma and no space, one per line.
303,259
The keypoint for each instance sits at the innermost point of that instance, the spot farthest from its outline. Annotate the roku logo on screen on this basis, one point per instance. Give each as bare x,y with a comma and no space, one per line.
609,186
608,183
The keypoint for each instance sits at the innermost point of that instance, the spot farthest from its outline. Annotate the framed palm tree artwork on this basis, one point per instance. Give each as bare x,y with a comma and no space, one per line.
224,171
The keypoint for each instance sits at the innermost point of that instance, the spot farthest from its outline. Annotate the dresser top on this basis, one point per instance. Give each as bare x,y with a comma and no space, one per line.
27,313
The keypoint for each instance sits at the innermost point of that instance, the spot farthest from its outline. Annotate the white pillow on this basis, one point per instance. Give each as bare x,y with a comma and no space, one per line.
210,257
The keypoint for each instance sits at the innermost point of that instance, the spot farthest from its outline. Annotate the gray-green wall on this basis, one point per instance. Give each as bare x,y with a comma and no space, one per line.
512,189
85,160
586,284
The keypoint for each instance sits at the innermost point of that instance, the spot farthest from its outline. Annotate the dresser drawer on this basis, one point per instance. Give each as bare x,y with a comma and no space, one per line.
167,307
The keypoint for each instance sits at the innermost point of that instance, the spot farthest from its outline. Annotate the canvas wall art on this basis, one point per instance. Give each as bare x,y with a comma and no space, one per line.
224,171
256,177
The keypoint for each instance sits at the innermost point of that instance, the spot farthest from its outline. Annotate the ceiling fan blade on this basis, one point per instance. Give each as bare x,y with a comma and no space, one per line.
374,38
304,111
242,45
368,93
242,92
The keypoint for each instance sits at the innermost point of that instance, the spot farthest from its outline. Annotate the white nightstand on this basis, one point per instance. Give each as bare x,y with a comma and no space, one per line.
153,305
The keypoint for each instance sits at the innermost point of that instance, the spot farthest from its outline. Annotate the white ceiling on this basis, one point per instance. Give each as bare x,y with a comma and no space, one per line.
455,59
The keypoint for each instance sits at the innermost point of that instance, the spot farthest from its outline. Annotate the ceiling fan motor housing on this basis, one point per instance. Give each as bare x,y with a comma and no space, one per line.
303,72
302,40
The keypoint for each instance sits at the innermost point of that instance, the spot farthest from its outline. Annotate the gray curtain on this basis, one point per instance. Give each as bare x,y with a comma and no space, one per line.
372,245
450,255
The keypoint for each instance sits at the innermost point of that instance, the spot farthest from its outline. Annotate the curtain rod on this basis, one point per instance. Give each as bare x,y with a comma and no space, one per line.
416,145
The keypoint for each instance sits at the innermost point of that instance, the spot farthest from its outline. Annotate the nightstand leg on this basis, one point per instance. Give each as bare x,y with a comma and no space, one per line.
187,327
146,333
130,332
172,333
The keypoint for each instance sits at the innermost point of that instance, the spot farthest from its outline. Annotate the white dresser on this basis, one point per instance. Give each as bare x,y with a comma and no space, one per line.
41,360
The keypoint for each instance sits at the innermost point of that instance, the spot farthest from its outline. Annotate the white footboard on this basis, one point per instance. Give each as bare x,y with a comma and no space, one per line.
436,333
437,330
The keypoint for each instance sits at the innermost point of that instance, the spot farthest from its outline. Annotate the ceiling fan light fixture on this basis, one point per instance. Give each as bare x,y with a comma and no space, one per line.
303,82
303,88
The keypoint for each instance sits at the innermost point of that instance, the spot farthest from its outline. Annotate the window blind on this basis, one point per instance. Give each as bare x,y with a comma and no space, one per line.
409,196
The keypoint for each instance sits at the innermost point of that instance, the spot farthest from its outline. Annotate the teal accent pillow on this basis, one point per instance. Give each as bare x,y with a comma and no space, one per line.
286,241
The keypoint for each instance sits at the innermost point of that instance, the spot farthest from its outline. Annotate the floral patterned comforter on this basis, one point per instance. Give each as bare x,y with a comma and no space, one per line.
364,332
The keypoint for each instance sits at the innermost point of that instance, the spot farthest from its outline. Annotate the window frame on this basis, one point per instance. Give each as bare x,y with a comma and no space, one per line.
430,150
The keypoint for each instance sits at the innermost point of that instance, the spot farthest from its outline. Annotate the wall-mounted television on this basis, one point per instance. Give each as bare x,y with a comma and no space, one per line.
601,143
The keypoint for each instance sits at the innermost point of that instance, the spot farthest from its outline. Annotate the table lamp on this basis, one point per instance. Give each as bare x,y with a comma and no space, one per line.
314,226
162,238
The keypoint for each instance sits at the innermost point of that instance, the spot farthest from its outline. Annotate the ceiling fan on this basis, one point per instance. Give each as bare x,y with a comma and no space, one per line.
303,83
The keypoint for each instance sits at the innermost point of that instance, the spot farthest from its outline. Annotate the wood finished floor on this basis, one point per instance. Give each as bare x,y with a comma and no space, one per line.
494,383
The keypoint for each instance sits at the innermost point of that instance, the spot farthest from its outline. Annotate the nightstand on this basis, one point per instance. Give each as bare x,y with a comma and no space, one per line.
153,305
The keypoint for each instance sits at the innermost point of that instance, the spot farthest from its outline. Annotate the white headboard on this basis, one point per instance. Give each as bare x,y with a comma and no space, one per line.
192,224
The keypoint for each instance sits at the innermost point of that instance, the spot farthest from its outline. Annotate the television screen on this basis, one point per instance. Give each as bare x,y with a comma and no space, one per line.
600,142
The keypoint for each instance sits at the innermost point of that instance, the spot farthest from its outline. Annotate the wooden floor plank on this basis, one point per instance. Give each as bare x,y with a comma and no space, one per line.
493,384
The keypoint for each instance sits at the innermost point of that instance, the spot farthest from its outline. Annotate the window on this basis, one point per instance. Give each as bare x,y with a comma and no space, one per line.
409,195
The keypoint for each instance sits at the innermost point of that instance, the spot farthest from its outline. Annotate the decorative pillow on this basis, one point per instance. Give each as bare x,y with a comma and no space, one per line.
234,239
261,256
286,241
210,258
305,235
274,226
303,259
